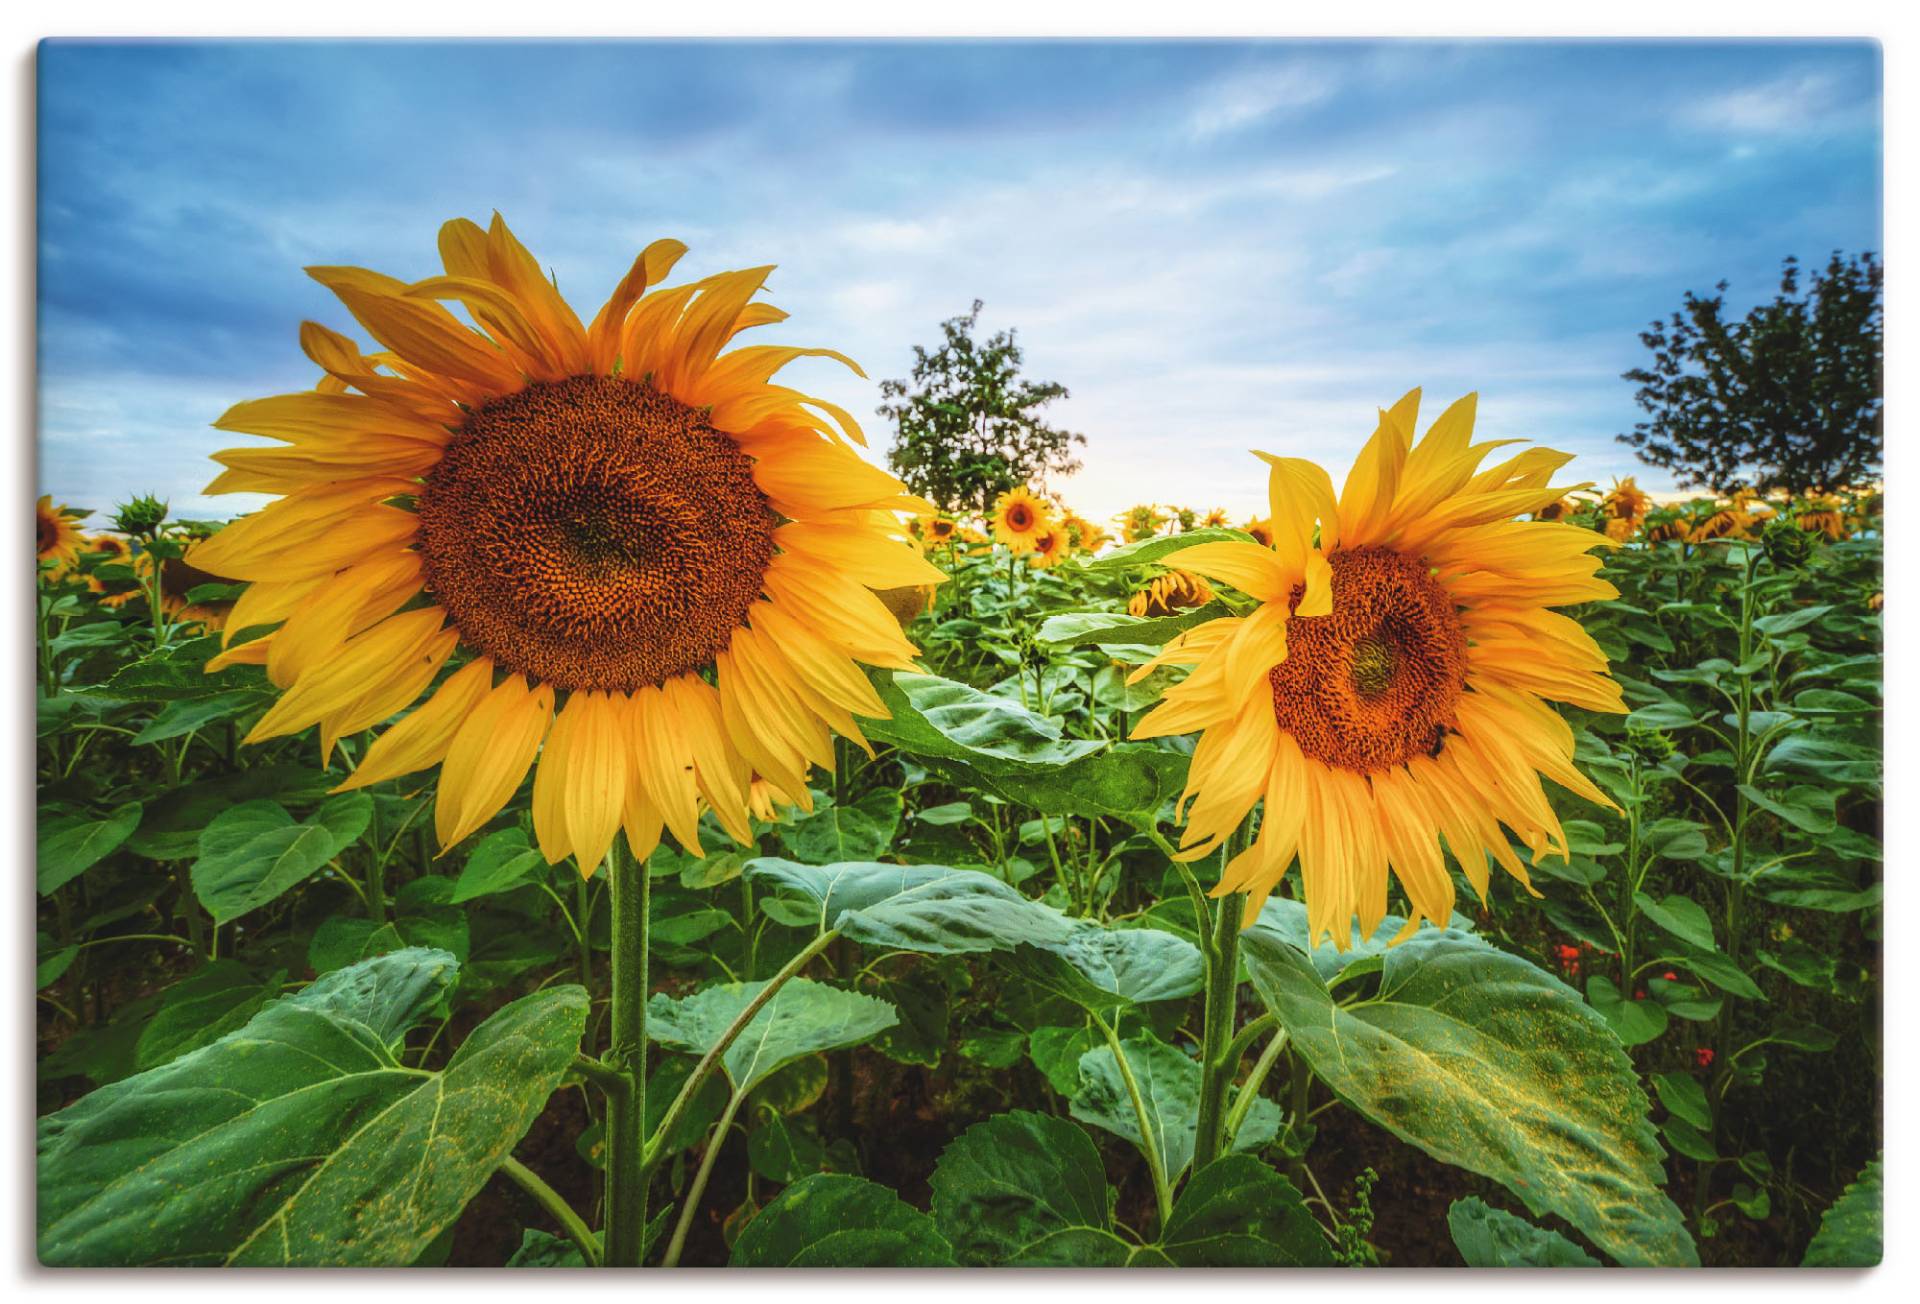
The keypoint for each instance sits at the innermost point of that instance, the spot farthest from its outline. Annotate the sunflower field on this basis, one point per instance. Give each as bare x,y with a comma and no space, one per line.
591,816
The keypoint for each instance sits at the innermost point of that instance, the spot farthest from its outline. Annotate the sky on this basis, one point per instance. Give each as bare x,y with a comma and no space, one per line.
1216,247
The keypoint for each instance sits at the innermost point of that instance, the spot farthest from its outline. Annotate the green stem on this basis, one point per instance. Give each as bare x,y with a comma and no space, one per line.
1217,1066
1250,1089
557,1208
691,1087
626,1197
699,1187
1149,1140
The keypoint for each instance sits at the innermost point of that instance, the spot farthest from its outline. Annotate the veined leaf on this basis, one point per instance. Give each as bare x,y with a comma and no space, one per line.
803,1017
1026,1190
831,1220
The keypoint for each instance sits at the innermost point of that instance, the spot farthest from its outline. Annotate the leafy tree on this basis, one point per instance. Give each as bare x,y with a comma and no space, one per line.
1789,396
968,426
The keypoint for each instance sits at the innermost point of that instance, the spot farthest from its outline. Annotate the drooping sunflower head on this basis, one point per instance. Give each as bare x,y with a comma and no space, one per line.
1664,526
1823,516
58,537
1019,519
1391,688
1172,592
660,565
1726,524
1626,501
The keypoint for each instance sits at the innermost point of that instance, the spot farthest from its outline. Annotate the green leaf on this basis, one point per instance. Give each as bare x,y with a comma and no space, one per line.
859,832
255,852
502,861
342,940
1808,809
1850,1233
1683,1138
203,1008
171,831
540,1249
1169,1083
52,965
176,673
1684,1097
945,906
301,1139
1161,546
1493,1238
1074,628
1635,1023
69,846
1662,715
983,740
803,1017
1103,969
1679,915
831,1220
1486,1062
190,714
1026,1190
1056,1053
1239,1213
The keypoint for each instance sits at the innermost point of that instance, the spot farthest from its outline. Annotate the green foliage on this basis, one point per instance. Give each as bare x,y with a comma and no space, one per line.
801,1018
968,427
1850,1234
834,1221
1493,1238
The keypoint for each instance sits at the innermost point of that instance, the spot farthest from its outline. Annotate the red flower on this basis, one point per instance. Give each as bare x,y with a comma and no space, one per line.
1640,994
1567,954
1704,1056
1671,976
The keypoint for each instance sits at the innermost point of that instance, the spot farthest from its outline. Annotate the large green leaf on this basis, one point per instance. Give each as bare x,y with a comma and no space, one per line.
1169,1084
1239,1213
831,1220
1076,628
858,831
171,831
1493,1238
865,885
301,1138
1106,968
987,741
1026,1190
177,673
1851,1234
502,861
1484,1061
802,1018
1162,546
202,1009
70,845
255,852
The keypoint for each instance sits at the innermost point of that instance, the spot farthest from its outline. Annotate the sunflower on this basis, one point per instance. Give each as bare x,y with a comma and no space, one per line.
1019,519
661,565
1261,530
1082,534
1626,501
1557,510
1728,523
1823,516
1177,590
1142,522
1051,547
1618,528
1215,518
940,529
1664,526
58,538
1388,691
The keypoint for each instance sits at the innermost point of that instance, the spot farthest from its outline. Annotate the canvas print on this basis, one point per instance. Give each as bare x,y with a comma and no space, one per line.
1256,654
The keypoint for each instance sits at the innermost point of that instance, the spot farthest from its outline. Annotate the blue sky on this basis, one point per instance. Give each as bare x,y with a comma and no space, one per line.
1215,247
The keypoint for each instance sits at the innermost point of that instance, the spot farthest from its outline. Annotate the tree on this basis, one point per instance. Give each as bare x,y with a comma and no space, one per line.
968,427
1789,397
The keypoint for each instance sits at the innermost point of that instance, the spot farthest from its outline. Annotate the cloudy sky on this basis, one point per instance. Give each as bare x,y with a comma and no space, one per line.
1215,247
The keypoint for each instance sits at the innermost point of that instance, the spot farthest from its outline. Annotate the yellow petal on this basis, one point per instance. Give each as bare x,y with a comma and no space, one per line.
489,757
423,737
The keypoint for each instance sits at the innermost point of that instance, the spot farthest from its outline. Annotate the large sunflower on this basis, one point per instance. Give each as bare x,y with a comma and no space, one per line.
1388,691
1019,519
661,564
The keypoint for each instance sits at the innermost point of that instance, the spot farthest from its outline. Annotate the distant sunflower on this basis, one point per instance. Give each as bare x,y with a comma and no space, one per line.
1215,518
1626,501
1019,519
59,538
1824,517
1177,590
1557,510
662,565
1388,691
1051,547
1726,524
1618,528
940,529
1141,522
1664,527
1261,530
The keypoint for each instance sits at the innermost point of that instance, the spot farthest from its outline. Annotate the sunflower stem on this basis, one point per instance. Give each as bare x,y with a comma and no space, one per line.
626,1190
1149,1136
1218,1058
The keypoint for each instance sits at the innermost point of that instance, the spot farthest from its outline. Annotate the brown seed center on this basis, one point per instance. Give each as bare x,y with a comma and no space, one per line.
1375,682
595,533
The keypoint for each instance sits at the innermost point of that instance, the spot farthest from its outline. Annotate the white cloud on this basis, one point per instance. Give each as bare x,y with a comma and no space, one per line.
1791,103
1246,98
